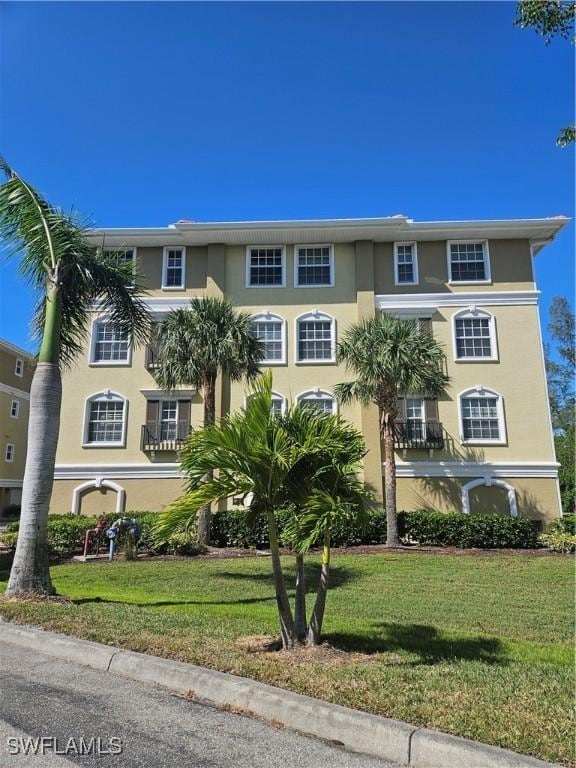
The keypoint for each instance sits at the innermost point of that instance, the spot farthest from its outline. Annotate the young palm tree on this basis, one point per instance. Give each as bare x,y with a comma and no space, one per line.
71,275
391,358
196,344
258,456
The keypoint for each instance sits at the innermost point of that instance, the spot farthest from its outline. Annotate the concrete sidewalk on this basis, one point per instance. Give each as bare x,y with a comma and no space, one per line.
386,739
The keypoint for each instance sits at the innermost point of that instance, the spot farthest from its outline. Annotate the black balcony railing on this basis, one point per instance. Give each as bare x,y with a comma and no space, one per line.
151,359
156,441
418,434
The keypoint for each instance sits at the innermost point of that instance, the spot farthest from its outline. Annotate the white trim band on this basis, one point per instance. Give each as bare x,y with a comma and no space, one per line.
122,471
431,301
10,483
13,391
475,469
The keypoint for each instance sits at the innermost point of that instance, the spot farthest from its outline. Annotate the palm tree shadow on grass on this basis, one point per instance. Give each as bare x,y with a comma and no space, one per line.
339,576
429,643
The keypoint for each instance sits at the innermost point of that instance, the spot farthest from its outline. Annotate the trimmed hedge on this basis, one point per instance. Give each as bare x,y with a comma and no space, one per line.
230,529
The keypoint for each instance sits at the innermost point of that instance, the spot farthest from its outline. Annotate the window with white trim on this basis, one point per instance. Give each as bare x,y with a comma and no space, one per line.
482,417
415,418
474,335
405,264
121,255
15,409
105,420
265,267
314,265
173,268
168,419
19,367
318,400
9,453
278,404
271,331
468,262
315,338
109,344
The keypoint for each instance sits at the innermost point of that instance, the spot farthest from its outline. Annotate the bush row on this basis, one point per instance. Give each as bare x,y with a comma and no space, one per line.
230,529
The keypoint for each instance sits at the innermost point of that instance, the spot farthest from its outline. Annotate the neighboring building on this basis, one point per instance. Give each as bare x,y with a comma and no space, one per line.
486,445
16,369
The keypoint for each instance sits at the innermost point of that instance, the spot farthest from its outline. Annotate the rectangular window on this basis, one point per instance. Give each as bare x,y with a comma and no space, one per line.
473,337
468,262
265,267
106,421
405,263
15,409
277,405
121,255
110,344
318,404
315,340
19,367
480,418
173,268
314,265
415,418
270,333
9,453
168,420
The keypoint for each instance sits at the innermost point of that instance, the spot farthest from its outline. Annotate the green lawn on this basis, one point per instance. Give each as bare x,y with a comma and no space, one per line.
474,645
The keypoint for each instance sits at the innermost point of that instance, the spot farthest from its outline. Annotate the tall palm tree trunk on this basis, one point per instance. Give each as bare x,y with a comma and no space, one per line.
287,629
30,573
392,539
317,617
205,514
300,600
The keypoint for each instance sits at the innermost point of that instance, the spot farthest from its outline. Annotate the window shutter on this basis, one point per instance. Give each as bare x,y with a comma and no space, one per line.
152,414
431,410
425,325
400,406
183,419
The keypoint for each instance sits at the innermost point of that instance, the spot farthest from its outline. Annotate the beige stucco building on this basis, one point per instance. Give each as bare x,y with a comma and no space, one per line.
486,445
16,369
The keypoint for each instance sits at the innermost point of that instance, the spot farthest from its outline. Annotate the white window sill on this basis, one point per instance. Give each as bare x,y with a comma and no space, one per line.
316,362
267,286
476,360
104,445
173,288
483,442
314,285
401,285
469,282
273,363
110,364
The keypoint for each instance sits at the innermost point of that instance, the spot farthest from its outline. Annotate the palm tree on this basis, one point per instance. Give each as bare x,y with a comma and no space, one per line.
70,275
391,358
194,345
262,458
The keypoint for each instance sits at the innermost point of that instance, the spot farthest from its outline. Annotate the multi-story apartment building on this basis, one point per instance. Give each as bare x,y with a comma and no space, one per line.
16,369
486,445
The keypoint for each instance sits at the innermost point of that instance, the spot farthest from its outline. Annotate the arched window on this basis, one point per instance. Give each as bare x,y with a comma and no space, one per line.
474,335
315,338
105,420
318,399
278,403
271,330
481,417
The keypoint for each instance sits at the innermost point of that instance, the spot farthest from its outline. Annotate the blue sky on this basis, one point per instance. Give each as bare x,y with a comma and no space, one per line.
138,114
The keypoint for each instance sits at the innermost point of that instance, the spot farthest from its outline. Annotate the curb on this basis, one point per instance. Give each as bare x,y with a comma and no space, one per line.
357,731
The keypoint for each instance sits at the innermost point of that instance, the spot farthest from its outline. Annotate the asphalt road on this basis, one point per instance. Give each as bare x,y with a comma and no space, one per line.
41,696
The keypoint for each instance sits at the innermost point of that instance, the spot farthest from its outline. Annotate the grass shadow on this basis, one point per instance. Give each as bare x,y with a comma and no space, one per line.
166,603
429,643
339,576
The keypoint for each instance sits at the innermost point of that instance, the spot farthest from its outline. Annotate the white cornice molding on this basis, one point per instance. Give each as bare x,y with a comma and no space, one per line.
392,302
8,390
156,305
16,350
476,469
164,394
122,471
380,229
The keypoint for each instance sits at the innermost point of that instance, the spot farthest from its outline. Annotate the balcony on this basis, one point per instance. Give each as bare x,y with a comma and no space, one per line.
418,434
151,357
156,441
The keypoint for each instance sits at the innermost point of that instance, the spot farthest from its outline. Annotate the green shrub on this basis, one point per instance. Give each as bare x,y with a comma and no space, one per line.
559,541
9,539
455,529
566,524
185,543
